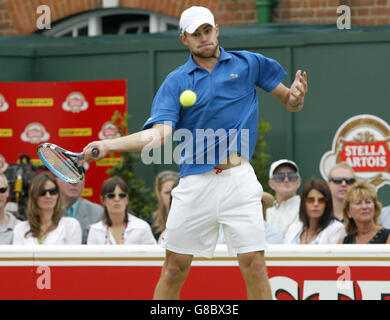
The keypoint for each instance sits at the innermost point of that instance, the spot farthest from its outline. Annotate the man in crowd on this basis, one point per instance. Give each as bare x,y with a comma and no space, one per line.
7,219
341,176
85,211
284,179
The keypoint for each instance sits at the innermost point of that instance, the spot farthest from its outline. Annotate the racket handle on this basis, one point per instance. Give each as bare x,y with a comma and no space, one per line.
95,152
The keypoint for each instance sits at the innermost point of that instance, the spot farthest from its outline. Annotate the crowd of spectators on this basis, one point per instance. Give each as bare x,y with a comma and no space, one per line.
341,210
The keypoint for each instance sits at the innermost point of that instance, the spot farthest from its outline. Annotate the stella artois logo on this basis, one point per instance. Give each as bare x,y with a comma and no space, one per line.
35,133
108,131
75,102
363,142
3,164
3,104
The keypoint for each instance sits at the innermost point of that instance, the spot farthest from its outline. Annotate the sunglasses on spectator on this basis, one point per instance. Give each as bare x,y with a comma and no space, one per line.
339,180
291,176
112,195
3,190
312,200
52,192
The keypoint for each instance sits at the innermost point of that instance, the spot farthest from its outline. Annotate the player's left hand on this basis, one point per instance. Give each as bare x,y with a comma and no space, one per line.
298,89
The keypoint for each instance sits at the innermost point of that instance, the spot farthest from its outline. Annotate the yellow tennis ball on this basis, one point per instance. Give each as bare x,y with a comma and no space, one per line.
187,98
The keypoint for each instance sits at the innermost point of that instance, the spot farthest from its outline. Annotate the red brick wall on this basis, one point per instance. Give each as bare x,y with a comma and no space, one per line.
19,16
363,12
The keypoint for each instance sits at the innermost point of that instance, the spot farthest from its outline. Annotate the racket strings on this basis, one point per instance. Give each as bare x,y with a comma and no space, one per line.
61,163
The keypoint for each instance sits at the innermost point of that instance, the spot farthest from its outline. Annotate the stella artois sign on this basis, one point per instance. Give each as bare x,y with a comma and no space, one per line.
363,142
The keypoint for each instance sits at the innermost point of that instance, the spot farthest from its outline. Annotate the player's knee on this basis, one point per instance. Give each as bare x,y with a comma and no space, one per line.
175,273
253,265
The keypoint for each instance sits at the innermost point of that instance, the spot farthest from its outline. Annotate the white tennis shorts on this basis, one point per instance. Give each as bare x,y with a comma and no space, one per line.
203,201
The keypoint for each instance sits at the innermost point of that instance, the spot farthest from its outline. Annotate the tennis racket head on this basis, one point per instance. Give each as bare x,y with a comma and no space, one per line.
64,164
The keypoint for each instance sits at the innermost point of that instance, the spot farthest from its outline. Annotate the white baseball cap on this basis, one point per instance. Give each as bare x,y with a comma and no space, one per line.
278,163
192,18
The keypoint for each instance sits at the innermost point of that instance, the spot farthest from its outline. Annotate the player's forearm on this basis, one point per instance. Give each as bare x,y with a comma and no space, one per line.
142,140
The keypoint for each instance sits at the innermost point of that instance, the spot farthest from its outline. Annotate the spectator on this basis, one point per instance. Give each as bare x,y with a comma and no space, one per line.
272,234
316,224
118,226
163,185
361,212
285,181
85,211
46,223
7,219
385,217
340,178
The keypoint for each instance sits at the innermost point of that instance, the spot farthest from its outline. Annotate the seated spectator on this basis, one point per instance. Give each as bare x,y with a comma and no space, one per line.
316,224
361,215
7,219
272,235
285,181
118,225
341,176
46,223
163,185
385,217
85,211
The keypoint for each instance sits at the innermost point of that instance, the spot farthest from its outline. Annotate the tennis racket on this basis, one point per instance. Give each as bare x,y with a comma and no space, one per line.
64,164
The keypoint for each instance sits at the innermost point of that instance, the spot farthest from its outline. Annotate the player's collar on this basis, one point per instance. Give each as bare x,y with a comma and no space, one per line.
191,65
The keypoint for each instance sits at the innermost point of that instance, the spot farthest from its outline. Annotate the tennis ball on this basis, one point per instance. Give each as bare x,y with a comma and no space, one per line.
187,98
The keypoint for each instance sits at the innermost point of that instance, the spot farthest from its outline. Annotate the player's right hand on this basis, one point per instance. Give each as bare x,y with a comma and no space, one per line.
100,145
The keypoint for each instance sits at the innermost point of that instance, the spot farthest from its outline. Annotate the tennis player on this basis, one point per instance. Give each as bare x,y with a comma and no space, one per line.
217,183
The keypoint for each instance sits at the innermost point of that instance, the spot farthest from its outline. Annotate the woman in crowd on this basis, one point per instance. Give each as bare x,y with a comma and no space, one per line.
163,185
316,224
118,225
361,212
46,223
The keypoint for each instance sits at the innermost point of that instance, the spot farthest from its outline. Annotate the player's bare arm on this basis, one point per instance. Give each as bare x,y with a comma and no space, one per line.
136,142
294,98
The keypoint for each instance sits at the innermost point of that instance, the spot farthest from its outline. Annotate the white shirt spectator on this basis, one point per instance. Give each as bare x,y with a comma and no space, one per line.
6,231
385,217
137,231
68,231
283,215
330,235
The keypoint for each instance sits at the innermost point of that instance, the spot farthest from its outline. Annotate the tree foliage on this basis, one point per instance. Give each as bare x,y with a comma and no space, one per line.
261,158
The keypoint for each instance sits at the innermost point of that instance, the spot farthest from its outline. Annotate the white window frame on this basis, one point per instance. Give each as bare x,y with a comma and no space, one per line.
93,21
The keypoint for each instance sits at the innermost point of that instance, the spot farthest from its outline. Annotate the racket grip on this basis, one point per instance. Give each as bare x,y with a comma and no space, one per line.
95,152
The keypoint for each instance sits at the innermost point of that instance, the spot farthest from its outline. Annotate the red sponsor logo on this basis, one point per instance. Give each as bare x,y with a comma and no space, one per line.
35,133
363,142
362,157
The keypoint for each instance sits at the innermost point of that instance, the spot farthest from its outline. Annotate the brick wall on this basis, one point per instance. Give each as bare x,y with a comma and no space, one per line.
19,16
363,12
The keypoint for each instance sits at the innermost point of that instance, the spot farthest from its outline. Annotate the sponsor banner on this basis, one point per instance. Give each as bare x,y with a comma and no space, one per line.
68,116
363,142
34,102
108,162
337,272
6,133
75,132
104,101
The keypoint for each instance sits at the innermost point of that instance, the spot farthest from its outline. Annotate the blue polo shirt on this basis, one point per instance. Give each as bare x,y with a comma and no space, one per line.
225,115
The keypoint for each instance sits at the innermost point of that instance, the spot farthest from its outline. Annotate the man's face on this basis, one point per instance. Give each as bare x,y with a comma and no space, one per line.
3,196
338,189
285,182
203,43
68,190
